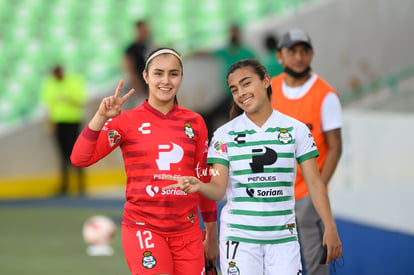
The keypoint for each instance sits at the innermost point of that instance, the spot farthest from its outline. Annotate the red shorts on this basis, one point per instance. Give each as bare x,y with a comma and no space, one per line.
147,252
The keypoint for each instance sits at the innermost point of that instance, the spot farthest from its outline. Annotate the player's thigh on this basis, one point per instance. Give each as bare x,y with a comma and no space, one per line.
240,258
283,258
188,253
146,252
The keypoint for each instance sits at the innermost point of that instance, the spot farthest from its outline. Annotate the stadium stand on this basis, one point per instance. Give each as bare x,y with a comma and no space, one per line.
88,36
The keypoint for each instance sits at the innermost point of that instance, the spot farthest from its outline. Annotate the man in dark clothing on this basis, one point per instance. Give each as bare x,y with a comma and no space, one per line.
135,55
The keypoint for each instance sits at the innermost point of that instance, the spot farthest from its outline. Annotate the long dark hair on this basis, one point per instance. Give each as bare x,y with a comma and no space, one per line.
258,69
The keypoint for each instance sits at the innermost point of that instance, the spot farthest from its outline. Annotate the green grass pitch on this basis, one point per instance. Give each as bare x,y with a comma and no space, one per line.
46,241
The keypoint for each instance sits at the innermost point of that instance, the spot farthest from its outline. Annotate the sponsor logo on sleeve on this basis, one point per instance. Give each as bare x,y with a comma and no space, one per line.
313,141
220,148
113,138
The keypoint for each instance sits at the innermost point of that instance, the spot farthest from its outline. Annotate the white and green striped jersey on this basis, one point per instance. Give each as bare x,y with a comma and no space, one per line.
262,170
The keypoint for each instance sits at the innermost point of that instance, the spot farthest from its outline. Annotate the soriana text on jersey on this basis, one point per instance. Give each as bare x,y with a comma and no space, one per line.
153,190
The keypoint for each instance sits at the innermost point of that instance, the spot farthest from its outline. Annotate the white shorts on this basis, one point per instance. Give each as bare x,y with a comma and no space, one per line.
240,258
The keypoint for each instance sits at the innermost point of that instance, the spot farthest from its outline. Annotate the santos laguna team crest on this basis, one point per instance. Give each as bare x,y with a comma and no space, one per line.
284,136
233,269
188,130
148,261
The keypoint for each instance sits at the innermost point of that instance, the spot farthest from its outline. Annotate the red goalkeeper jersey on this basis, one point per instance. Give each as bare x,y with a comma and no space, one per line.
154,145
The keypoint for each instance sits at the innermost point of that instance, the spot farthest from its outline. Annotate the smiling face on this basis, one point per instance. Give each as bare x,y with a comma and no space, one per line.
163,76
248,90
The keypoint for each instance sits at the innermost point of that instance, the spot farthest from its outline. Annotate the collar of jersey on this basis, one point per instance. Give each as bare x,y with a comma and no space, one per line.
264,127
148,107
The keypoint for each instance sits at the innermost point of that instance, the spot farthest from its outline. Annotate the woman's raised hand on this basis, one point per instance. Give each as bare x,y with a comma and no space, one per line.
112,106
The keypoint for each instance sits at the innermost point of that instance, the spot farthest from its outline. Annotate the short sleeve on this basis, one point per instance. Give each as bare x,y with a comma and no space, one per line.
217,151
305,144
331,113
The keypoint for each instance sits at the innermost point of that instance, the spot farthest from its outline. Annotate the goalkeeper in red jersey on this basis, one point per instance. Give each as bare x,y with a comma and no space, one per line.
160,229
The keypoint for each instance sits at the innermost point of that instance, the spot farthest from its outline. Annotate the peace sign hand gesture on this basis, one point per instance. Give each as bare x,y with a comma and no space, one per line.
112,106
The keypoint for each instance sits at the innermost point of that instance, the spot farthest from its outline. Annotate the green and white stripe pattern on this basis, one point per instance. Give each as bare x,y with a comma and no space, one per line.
262,170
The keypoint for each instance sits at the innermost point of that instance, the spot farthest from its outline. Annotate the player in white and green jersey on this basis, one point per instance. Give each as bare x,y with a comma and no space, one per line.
254,163
262,169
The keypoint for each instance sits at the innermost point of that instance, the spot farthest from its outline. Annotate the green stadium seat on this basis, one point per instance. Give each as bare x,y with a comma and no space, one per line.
89,37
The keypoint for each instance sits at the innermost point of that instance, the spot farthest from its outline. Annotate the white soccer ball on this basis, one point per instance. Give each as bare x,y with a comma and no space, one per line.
98,230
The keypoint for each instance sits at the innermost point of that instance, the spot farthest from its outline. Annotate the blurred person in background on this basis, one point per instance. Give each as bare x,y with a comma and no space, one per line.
254,157
64,96
231,53
270,62
134,63
160,230
302,94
